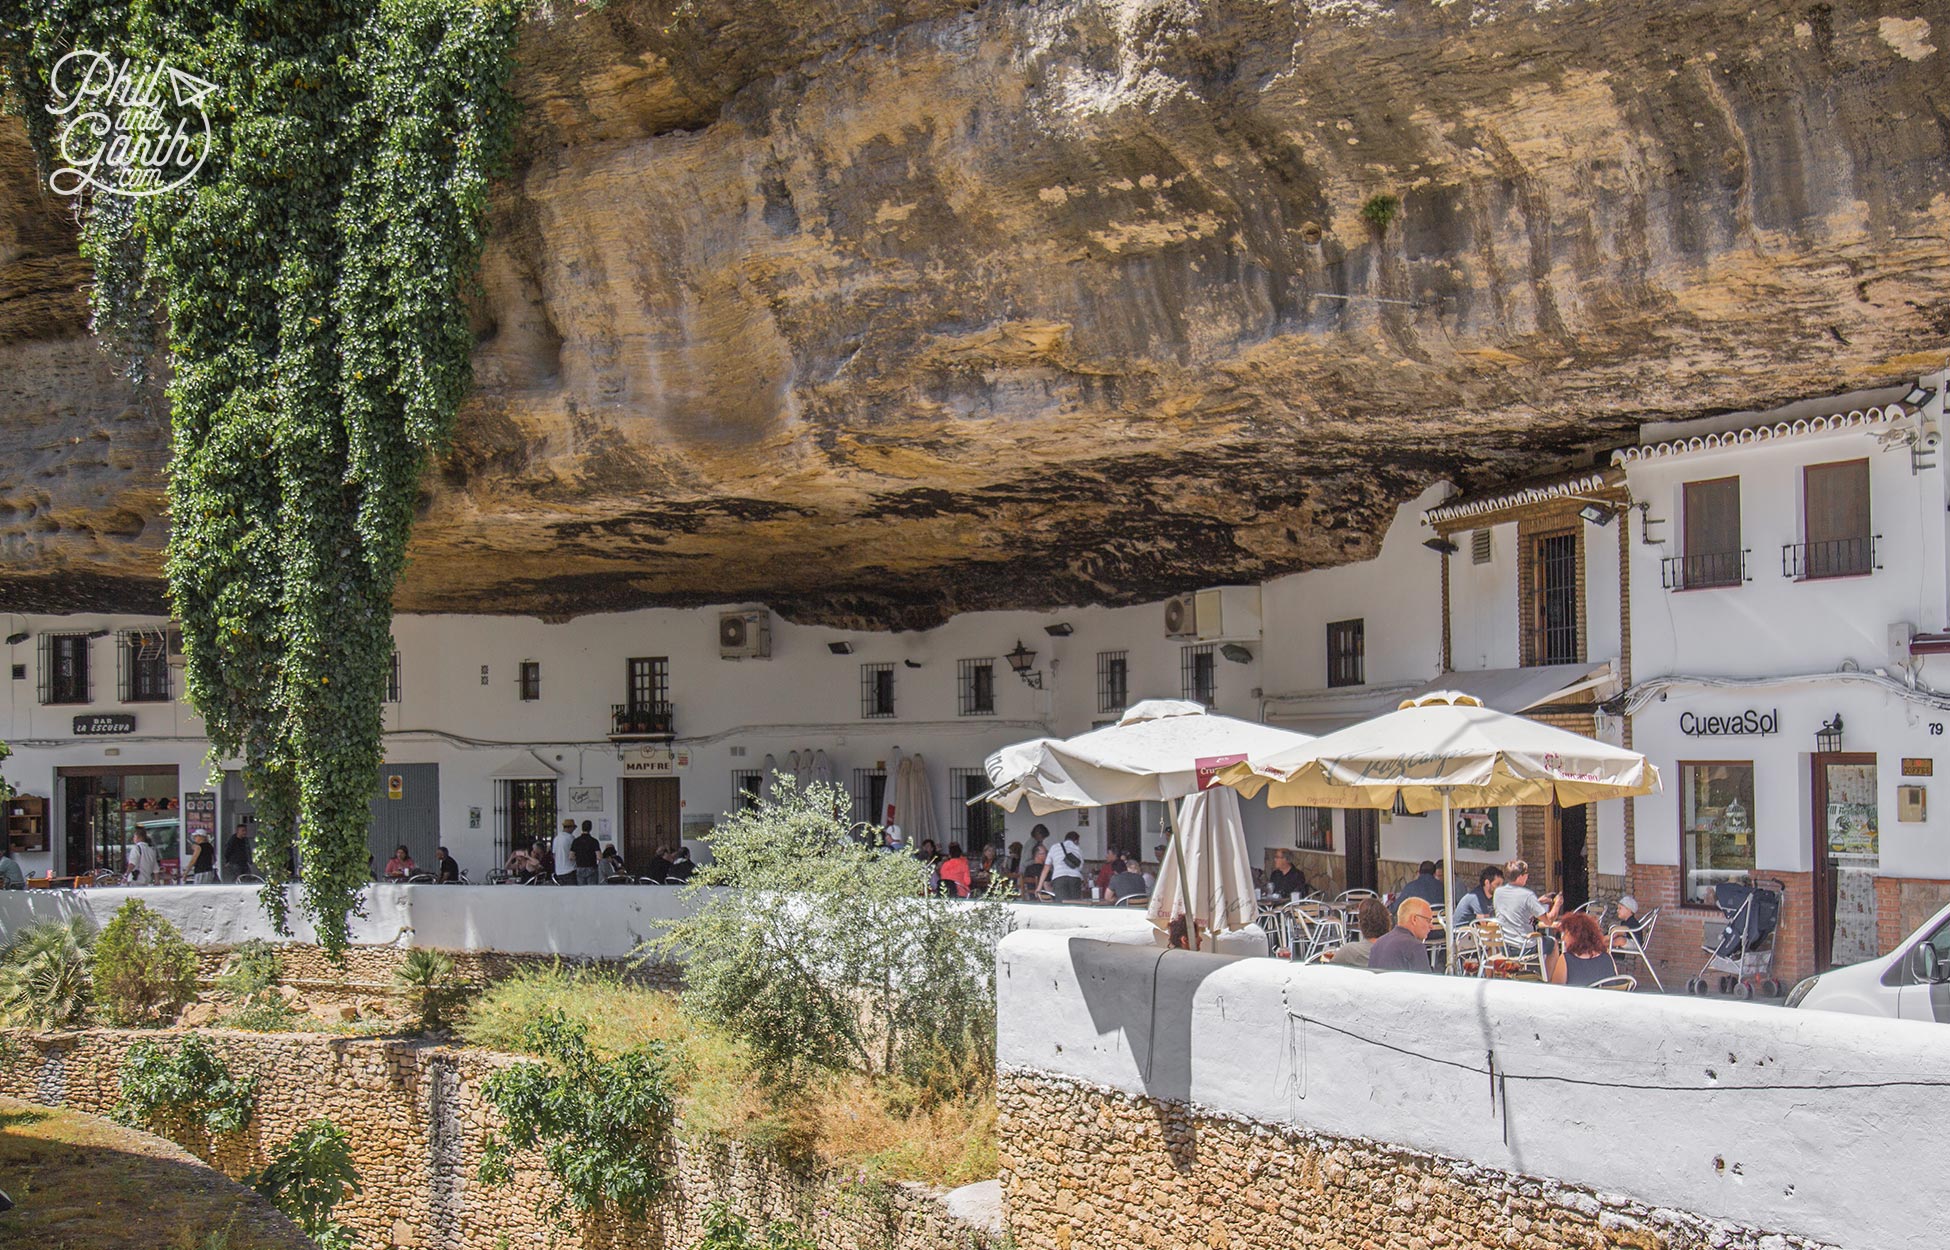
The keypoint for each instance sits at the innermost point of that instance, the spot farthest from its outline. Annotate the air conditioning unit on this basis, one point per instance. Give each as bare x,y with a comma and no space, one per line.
1900,634
745,635
1181,617
1228,614
173,648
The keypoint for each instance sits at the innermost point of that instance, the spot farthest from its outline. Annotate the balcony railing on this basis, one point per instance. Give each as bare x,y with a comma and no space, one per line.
1707,569
653,720
1836,557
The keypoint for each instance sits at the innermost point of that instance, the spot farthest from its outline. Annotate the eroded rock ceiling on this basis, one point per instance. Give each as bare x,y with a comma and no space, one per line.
880,310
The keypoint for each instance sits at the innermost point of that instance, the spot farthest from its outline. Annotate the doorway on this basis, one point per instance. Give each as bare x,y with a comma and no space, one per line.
1123,830
102,808
653,818
405,808
1847,854
1567,837
1363,827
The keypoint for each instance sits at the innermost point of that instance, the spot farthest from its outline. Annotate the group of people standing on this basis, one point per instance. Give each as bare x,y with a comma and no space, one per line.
576,857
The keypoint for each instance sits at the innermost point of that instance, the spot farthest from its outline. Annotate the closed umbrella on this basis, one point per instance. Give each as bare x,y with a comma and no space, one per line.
1208,876
768,786
822,768
1441,750
920,802
891,812
802,768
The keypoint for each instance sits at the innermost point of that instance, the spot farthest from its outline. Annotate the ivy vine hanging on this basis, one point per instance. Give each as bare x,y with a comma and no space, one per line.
310,279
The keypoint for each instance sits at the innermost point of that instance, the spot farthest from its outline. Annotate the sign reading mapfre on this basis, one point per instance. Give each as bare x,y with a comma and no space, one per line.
103,723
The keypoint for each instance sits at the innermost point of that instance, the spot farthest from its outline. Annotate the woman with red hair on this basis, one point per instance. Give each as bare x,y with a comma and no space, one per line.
1582,957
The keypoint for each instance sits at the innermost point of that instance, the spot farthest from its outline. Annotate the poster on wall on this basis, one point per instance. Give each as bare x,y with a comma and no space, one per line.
1476,829
585,798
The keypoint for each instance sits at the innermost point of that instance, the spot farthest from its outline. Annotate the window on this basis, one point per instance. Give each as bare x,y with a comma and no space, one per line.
1835,522
144,656
1716,823
876,691
1551,600
974,827
1197,676
1347,653
869,795
1712,538
392,679
649,678
977,688
1479,546
64,668
528,816
1113,681
529,680
747,783
1313,828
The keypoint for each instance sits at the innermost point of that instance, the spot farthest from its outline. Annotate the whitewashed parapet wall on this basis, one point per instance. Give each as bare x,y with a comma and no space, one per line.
1785,1122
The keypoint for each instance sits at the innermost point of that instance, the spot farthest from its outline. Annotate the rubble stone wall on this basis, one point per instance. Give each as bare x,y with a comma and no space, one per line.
418,1121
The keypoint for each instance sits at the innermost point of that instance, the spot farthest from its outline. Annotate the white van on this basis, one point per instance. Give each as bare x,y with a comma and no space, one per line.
1912,982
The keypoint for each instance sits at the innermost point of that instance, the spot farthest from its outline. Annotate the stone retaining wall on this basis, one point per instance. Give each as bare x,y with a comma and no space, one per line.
1088,1166
417,1121
368,971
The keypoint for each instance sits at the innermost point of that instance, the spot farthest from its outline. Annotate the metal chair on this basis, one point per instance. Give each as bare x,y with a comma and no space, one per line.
1310,937
1634,947
1133,900
1349,900
1619,982
1595,908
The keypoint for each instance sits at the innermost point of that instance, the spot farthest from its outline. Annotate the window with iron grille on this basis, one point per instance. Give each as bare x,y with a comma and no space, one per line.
649,678
1347,652
1313,828
746,783
978,687
869,795
1479,546
876,690
142,658
974,827
1551,607
1113,681
1710,516
392,679
529,680
527,811
64,669
1198,677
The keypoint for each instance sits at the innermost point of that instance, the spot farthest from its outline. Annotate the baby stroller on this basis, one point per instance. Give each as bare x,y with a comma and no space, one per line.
1744,955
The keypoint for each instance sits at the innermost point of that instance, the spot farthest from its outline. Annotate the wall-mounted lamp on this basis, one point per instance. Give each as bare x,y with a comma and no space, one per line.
1062,629
97,633
840,648
1022,663
1441,545
14,640
1236,653
1919,395
912,663
1596,513
1828,739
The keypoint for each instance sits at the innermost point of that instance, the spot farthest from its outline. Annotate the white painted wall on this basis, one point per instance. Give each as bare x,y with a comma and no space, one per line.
1734,1138
1483,603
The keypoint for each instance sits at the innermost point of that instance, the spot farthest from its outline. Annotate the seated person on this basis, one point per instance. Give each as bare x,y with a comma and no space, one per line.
1518,909
1287,881
1582,958
1100,880
1404,948
953,875
1426,886
1628,931
609,864
1475,905
400,866
1373,918
681,867
658,868
1124,883
520,863
444,867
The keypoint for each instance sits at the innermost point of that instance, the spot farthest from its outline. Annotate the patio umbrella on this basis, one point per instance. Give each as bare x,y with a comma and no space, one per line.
891,812
1208,877
920,802
1441,750
822,768
768,789
1152,752
802,768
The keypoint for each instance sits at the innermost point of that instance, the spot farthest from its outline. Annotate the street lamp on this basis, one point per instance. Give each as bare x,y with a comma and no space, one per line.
1828,739
1021,662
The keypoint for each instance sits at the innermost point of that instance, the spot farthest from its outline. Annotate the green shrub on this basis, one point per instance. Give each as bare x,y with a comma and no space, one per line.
1381,210
307,1177
144,970
602,1126
431,992
254,969
724,1229
183,1090
46,981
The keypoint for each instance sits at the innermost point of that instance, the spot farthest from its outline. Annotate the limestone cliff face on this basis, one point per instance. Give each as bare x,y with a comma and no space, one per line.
878,310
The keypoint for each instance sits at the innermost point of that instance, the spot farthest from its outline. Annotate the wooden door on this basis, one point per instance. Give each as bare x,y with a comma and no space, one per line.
1121,830
1843,793
653,818
1363,848
1569,841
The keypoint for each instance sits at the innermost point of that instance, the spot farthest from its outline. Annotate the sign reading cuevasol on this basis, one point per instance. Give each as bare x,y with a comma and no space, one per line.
1748,723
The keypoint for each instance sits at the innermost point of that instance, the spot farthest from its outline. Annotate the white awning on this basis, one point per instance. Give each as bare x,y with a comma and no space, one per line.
1520,689
526,766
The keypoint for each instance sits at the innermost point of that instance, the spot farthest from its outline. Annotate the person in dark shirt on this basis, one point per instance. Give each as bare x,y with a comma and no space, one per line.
1124,883
681,867
1426,886
444,867
658,869
586,851
203,860
1287,880
1403,948
237,854
1479,904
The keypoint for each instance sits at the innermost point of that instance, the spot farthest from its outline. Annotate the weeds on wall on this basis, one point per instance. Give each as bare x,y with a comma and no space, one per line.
1380,211
428,988
602,1125
144,971
46,975
307,1177
725,1229
183,1090
248,985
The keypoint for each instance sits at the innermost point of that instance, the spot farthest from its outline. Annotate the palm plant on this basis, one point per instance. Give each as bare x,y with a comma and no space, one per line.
45,975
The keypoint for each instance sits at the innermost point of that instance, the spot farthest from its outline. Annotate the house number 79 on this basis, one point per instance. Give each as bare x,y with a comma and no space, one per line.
1936,729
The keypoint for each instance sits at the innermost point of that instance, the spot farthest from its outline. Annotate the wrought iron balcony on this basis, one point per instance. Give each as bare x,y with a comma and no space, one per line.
650,720
1836,557
1708,569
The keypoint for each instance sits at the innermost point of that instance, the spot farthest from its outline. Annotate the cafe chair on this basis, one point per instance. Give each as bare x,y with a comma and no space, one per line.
1619,982
1634,947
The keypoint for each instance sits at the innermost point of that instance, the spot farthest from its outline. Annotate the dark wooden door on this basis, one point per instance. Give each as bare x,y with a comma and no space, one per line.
1121,828
1572,872
1363,848
653,818
1826,879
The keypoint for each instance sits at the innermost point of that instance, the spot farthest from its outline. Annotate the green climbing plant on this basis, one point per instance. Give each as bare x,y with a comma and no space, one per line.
311,283
183,1090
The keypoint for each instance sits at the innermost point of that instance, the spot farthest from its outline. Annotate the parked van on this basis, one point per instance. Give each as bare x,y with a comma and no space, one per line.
1912,982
